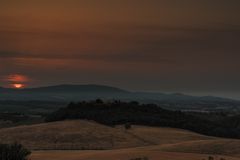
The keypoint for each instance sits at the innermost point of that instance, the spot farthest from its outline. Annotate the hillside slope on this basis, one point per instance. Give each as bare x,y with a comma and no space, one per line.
219,146
90,135
69,135
125,154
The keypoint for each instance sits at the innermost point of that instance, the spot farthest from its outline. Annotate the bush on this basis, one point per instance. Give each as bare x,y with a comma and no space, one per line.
13,152
144,158
128,126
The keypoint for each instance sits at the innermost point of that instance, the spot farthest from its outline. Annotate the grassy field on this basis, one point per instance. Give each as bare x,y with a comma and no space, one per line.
125,154
75,135
99,142
218,146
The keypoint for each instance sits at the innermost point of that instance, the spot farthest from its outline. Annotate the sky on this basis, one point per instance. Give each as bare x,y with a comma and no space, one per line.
190,46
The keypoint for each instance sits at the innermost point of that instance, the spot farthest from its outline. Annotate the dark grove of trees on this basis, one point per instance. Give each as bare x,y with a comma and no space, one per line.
13,152
117,112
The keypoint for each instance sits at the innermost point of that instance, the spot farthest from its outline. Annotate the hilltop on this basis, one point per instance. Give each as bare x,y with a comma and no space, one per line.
79,134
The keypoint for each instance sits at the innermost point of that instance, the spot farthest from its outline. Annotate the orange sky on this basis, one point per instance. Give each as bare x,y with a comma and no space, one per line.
139,44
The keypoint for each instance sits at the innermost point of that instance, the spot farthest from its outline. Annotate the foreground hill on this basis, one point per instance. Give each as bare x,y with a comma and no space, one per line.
218,146
69,135
91,135
126,154
153,142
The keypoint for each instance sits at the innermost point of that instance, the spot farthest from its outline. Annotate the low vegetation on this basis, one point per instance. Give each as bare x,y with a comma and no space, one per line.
13,152
141,158
212,158
17,119
117,112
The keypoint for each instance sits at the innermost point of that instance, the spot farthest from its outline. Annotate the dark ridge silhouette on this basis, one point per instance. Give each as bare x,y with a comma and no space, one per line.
67,93
76,88
117,112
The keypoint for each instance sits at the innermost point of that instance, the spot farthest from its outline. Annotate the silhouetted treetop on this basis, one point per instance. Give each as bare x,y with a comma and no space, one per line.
117,112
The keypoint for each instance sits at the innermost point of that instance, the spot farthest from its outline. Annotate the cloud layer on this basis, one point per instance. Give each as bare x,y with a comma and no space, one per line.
155,44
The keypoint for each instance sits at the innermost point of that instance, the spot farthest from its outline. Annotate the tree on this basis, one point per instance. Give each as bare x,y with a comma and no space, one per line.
99,101
210,158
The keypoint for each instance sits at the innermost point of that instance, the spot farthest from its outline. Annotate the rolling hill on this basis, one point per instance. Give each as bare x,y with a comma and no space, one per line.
85,92
126,154
87,140
67,93
80,134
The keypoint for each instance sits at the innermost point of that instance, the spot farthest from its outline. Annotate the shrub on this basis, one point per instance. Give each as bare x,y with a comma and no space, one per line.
13,152
128,126
210,158
141,158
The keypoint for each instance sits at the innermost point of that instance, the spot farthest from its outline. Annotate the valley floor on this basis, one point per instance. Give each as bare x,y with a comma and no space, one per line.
125,154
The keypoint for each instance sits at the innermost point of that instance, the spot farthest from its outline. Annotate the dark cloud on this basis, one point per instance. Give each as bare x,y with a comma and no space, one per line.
124,57
148,43
12,54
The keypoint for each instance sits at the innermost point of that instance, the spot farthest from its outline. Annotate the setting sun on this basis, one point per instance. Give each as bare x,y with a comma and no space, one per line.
18,86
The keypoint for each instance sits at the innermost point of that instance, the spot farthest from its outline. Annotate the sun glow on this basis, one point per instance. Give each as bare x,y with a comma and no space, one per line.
18,86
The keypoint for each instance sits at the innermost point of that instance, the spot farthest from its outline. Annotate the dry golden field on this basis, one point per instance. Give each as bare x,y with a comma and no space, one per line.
125,154
86,140
75,135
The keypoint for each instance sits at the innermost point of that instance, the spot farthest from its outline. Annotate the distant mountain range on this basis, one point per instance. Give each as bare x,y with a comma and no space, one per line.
88,92
62,93
67,93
